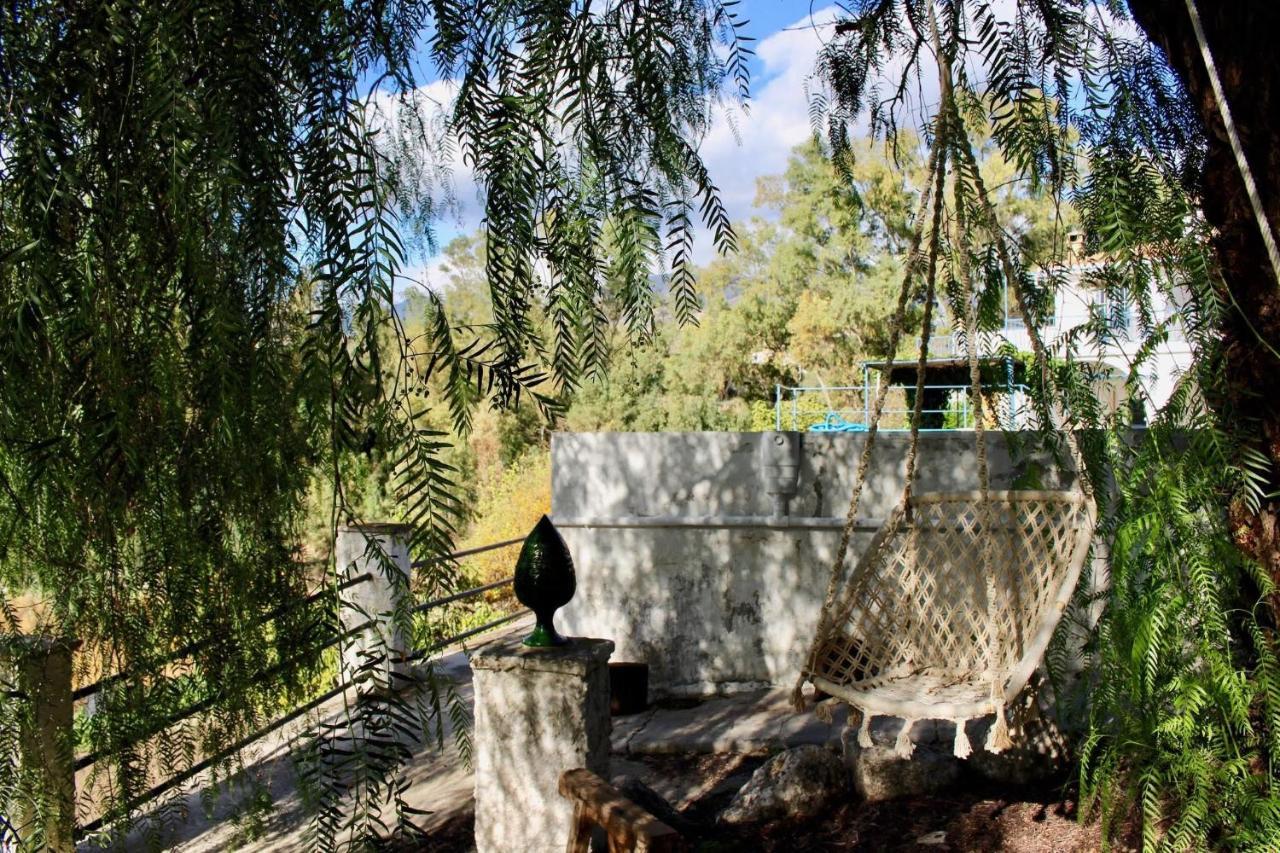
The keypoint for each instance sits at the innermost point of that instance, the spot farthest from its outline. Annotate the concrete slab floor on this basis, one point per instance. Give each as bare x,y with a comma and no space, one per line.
732,732
754,723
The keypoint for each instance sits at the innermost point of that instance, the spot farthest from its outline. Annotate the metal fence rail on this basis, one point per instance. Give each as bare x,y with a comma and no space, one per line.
268,674
457,638
468,552
191,648
211,761
856,415
314,703
209,702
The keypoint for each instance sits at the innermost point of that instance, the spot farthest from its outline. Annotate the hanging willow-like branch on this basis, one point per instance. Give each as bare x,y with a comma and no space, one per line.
203,223
1180,701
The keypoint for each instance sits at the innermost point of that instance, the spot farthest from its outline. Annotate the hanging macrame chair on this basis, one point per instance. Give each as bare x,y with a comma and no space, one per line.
949,610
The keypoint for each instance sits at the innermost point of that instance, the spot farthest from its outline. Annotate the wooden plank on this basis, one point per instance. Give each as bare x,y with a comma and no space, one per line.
580,835
628,827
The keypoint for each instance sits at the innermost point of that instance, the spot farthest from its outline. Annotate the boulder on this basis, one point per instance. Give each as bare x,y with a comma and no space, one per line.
1040,752
879,774
796,784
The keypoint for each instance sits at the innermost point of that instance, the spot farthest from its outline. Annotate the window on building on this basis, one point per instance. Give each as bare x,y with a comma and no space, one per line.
1115,312
1047,312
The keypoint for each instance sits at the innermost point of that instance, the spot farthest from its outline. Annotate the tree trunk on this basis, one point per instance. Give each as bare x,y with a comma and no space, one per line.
1242,38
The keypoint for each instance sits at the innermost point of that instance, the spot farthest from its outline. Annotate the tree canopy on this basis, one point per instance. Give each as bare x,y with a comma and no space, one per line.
203,222
203,219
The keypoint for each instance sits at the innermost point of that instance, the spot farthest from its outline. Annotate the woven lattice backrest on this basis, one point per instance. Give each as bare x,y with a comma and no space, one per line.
959,586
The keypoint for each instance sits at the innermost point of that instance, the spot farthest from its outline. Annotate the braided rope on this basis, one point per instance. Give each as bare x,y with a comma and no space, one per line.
1012,281
995,638
837,607
926,322
825,621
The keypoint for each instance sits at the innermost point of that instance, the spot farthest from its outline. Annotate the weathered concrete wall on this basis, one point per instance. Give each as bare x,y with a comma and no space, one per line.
612,475
682,561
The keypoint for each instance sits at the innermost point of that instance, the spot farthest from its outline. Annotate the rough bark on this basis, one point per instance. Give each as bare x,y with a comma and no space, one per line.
1242,37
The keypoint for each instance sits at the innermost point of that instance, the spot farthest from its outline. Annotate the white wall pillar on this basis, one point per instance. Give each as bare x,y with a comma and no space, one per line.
382,551
38,669
538,713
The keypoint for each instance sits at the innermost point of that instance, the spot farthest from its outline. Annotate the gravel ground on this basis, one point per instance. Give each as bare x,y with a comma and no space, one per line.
977,817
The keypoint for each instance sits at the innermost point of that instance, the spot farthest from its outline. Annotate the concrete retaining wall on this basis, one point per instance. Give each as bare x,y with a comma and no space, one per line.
685,560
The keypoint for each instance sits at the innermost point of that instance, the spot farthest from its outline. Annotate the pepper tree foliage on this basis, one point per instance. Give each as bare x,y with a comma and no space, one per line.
1182,670
202,227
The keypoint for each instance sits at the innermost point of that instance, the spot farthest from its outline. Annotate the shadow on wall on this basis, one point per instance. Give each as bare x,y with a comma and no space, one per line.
710,609
713,474
683,562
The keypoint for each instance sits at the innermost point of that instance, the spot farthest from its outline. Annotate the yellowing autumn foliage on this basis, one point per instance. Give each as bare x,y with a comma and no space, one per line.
509,503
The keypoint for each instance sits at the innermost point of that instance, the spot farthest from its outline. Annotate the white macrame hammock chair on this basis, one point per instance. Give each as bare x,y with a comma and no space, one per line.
950,609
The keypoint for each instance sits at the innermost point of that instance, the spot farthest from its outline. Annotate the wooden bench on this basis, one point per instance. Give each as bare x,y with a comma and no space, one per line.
628,827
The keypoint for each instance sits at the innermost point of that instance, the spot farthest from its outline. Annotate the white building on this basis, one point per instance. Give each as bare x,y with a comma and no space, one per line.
1085,322
1077,304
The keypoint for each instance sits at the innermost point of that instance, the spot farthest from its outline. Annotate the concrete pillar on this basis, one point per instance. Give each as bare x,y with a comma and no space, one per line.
538,713
39,670
382,551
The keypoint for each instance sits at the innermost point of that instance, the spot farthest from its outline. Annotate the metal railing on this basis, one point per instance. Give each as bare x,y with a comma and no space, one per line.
465,594
191,648
791,412
184,652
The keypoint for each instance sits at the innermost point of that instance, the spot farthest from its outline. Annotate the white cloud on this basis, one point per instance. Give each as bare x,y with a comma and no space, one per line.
777,120
740,148
427,275
442,171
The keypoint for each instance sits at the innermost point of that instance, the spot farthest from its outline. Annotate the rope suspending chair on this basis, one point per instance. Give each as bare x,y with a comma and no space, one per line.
949,611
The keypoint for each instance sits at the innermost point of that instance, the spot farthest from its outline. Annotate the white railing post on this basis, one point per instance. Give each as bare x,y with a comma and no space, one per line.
38,670
382,552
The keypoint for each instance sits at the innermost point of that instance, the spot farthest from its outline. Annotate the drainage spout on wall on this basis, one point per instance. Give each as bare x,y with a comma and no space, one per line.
780,469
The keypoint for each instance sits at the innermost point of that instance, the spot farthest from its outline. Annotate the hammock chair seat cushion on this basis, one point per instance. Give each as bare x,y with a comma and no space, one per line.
916,693
950,609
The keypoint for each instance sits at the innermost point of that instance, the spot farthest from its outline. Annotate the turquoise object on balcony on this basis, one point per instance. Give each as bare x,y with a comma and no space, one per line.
835,423
544,581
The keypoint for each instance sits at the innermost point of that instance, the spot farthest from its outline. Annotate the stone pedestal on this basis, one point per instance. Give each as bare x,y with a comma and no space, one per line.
538,713
381,551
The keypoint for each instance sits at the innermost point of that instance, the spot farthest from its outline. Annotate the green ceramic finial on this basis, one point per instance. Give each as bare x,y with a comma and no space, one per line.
544,580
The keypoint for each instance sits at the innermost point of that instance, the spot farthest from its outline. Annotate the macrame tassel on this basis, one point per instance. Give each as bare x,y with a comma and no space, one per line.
864,732
903,747
998,739
825,710
797,696
961,748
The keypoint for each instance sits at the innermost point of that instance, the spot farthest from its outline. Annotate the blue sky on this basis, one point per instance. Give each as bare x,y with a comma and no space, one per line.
788,35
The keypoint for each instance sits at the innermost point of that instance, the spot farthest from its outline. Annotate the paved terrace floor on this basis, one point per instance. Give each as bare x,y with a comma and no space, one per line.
754,723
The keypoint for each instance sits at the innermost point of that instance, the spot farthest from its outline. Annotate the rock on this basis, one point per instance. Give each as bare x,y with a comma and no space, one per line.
879,774
794,785
1040,752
